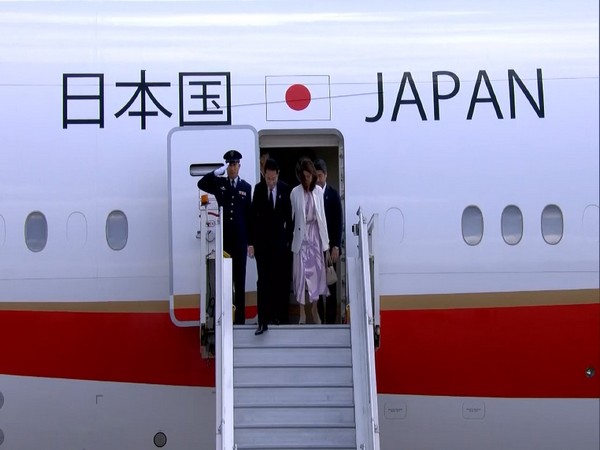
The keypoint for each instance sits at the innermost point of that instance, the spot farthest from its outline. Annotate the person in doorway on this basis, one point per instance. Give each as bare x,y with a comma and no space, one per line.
310,239
271,241
335,220
264,155
234,196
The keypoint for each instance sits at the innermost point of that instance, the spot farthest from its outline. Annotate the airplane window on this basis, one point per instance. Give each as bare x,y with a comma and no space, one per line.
76,230
591,221
552,224
36,231
393,226
512,225
117,230
472,225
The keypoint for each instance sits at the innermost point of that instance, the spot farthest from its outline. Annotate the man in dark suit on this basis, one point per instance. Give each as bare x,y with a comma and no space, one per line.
234,196
335,223
271,239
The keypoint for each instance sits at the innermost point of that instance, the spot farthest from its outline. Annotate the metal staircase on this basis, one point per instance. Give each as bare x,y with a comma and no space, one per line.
293,388
301,387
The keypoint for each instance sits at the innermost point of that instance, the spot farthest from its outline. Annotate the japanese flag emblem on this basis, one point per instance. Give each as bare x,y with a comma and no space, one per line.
301,97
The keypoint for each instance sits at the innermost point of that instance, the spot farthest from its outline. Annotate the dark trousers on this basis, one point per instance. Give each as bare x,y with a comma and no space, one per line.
239,284
272,286
330,306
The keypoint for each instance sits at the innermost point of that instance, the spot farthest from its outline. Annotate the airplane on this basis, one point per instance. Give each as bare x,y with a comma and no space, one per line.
469,129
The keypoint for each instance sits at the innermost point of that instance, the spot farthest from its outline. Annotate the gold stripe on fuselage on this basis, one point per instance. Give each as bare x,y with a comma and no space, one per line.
490,299
388,302
189,301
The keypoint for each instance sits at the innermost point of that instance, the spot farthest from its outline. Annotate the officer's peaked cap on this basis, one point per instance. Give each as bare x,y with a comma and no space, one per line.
232,156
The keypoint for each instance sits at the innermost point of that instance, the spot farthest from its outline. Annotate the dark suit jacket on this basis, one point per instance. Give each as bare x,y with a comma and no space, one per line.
334,216
271,229
236,204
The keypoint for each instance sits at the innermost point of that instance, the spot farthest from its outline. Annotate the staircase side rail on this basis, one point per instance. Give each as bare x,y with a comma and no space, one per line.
373,227
363,343
360,370
202,234
368,320
223,345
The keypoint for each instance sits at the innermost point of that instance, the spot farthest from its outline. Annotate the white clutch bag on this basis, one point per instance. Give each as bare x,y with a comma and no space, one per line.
331,275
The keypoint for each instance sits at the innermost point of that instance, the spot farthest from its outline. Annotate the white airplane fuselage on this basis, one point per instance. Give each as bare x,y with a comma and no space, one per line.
470,130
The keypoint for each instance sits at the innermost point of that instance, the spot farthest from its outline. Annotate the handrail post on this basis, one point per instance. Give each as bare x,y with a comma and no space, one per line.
373,227
203,298
362,327
223,345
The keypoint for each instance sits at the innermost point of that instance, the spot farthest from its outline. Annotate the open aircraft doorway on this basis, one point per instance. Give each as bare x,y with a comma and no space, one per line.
287,147
192,152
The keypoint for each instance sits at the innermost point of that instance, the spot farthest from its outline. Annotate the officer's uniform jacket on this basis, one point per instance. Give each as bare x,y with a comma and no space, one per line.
236,204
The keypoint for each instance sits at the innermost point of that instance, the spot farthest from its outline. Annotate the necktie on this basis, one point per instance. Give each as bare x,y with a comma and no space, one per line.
233,184
271,198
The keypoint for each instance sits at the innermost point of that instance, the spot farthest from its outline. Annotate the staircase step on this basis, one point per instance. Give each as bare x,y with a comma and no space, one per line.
292,376
286,416
293,336
282,438
305,357
293,388
302,447
295,447
293,397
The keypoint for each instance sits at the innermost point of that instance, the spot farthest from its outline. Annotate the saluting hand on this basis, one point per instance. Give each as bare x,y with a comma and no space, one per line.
221,170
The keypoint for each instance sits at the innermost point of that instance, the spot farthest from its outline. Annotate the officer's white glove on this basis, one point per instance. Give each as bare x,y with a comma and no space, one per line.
221,170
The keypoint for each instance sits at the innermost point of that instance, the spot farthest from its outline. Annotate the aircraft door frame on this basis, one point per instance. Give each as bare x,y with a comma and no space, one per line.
286,146
191,152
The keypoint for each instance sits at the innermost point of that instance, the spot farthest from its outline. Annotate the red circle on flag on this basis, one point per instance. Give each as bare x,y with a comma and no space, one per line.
297,97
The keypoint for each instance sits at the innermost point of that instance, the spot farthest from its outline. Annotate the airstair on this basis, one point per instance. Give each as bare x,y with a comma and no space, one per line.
296,387
293,388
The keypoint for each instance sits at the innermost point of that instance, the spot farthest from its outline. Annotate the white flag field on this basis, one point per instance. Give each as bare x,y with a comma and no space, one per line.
300,97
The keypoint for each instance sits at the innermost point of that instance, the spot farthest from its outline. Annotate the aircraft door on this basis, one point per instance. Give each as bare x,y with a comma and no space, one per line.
193,152
287,147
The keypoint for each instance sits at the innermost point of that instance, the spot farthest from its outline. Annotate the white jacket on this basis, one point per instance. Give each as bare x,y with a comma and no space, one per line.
299,216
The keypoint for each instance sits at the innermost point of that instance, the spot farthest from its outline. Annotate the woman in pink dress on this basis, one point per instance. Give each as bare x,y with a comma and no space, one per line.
310,239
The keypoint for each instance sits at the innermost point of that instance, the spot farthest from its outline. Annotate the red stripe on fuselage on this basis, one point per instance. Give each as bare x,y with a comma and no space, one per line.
531,352
128,347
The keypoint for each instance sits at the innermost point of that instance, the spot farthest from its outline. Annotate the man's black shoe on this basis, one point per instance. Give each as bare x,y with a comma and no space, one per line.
260,330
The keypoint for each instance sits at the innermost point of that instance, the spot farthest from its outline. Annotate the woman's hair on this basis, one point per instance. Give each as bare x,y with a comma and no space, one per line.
306,164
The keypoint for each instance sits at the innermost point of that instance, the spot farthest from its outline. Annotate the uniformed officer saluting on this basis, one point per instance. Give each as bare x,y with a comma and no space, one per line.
233,195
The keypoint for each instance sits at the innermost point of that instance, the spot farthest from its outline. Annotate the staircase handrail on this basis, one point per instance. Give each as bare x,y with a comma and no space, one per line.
223,344
372,228
363,327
